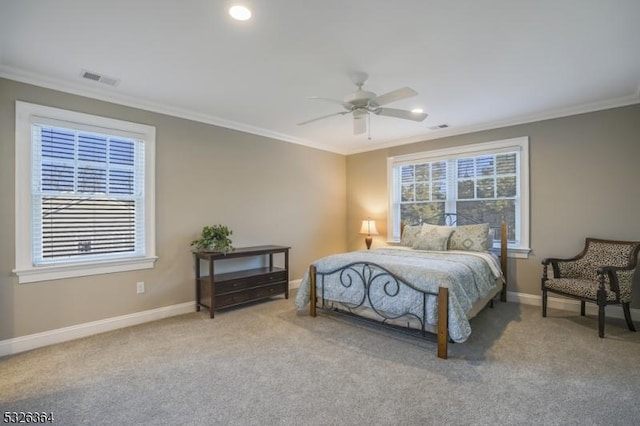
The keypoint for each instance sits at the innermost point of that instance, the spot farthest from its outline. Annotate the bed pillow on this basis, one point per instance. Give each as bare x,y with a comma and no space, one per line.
409,235
470,237
433,237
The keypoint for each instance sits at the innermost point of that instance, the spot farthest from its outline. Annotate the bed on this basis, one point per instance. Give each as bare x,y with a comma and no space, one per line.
429,286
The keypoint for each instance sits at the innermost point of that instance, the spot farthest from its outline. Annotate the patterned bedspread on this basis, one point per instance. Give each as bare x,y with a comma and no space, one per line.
469,276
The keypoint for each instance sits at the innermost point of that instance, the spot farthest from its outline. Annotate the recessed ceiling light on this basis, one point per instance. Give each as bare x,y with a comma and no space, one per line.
240,12
417,110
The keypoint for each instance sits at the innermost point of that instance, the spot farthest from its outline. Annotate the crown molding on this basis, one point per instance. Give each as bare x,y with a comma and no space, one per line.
622,101
143,104
134,102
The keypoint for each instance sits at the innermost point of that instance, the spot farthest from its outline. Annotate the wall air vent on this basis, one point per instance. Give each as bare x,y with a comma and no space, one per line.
110,81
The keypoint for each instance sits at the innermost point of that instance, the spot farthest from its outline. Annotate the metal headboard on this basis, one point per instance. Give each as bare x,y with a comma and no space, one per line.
451,219
448,219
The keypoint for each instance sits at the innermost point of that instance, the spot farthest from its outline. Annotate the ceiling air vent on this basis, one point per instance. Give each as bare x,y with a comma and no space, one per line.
110,81
439,126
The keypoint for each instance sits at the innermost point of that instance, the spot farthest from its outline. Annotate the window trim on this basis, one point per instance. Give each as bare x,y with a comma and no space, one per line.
26,272
520,144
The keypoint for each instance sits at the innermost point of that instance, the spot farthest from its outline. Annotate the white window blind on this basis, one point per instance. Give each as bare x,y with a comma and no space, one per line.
88,192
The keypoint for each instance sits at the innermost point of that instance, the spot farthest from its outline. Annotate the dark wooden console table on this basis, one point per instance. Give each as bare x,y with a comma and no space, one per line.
215,291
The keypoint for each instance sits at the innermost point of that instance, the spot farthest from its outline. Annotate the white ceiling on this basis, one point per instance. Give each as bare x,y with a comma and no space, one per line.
475,64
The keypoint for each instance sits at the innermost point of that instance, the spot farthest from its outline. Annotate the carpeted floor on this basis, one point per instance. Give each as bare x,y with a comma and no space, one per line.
267,364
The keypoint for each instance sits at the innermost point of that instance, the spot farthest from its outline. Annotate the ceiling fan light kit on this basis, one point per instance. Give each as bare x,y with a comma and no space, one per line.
362,103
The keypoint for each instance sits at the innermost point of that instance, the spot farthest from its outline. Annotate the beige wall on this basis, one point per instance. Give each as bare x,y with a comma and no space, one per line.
266,191
585,181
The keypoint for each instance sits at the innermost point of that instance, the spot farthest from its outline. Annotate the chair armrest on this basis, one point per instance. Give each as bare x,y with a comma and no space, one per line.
553,261
545,267
607,269
612,273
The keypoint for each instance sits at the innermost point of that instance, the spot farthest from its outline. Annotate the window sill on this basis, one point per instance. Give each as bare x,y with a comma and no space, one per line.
518,253
56,272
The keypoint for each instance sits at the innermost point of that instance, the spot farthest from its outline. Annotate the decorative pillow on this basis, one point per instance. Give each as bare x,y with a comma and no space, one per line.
470,237
409,235
433,237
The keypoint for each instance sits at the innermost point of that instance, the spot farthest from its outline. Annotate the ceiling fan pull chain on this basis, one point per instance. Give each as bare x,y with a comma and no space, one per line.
369,126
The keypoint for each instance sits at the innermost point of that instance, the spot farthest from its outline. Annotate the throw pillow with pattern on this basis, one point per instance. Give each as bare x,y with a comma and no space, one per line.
470,237
433,237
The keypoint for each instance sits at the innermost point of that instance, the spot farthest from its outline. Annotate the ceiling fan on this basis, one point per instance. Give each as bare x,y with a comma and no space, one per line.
362,103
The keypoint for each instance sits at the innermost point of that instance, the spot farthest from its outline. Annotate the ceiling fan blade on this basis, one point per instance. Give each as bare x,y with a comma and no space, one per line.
359,124
395,95
346,105
323,117
401,113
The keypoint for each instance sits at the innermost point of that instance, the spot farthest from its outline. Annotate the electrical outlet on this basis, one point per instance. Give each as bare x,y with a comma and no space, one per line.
140,287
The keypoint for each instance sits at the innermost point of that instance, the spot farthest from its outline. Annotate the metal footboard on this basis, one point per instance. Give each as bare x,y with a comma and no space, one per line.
366,279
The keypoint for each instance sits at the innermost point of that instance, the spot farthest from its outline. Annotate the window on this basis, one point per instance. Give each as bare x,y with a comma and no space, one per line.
84,194
485,182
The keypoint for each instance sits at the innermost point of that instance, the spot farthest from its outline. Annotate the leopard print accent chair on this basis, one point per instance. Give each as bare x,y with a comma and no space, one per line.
602,273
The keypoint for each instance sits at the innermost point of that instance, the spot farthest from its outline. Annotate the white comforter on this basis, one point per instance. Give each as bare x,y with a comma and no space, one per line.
469,276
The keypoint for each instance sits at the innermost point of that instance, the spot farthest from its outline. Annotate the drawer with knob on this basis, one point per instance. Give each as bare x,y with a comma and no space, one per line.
236,298
259,278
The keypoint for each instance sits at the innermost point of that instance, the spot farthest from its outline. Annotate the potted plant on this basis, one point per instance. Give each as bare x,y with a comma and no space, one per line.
214,238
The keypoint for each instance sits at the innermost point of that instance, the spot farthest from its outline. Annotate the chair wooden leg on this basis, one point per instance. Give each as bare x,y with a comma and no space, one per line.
544,303
601,320
627,316
582,307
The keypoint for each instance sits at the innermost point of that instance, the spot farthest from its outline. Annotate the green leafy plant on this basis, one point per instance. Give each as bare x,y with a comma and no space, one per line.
214,238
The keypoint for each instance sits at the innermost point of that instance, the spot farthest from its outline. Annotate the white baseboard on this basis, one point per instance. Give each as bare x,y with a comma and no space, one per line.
294,284
571,305
38,340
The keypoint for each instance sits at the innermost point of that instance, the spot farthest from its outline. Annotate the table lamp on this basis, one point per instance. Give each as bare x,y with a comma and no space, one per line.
368,228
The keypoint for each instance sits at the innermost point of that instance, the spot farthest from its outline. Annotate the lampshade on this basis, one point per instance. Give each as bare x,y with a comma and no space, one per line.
369,227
